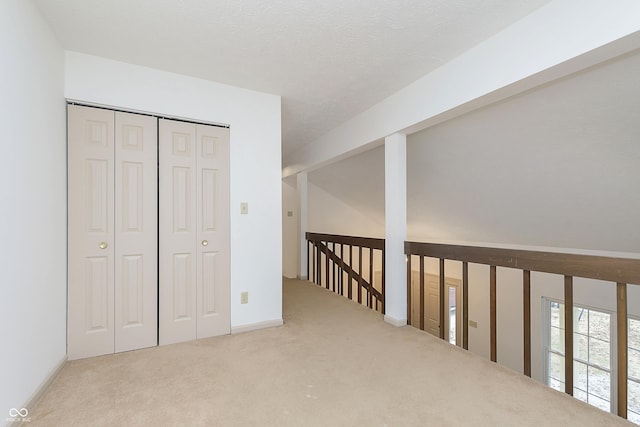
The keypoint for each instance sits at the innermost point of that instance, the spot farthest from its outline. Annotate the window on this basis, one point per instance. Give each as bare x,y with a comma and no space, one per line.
592,378
452,314
593,357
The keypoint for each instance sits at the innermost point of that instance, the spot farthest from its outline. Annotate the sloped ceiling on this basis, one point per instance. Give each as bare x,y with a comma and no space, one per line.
554,167
329,60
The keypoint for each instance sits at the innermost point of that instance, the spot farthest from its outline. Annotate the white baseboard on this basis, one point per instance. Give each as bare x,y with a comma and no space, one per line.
395,322
256,326
44,385
302,277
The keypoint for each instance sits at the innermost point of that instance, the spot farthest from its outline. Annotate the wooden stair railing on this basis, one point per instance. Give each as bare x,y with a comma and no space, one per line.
338,263
622,271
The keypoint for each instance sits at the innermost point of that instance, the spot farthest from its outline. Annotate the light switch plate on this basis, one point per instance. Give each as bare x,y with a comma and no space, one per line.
244,208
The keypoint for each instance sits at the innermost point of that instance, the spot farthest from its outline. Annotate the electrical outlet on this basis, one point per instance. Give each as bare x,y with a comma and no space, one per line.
244,297
473,323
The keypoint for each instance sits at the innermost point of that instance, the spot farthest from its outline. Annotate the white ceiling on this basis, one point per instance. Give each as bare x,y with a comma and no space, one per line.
329,60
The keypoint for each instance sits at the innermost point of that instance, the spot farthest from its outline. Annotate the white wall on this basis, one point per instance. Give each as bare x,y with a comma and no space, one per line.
347,197
256,238
331,215
555,167
290,251
33,204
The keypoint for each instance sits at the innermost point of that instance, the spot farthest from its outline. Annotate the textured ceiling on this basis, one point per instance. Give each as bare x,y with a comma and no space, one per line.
329,60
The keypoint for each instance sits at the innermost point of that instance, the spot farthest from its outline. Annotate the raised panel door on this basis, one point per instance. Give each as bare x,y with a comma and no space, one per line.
136,231
213,287
177,231
91,232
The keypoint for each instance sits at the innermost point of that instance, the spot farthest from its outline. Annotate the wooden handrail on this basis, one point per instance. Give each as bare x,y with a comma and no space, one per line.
365,242
622,271
619,270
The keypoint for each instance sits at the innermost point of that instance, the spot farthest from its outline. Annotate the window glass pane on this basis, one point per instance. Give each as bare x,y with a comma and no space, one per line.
633,417
580,320
634,363
599,326
580,376
599,383
555,314
599,403
599,352
579,394
452,315
557,385
557,339
556,366
580,347
633,399
634,334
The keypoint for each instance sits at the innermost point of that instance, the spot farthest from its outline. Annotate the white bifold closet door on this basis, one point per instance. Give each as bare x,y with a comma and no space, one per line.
112,174
194,297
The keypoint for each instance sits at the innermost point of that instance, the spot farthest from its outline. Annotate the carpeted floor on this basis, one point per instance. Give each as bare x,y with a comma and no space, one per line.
333,363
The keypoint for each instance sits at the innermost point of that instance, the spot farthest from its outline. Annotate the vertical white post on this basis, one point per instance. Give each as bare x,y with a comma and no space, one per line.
395,200
302,224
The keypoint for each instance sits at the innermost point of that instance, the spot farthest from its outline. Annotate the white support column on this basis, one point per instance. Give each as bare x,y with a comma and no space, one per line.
395,200
302,224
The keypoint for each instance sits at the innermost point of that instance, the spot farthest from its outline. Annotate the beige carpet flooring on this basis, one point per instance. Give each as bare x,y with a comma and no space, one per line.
333,363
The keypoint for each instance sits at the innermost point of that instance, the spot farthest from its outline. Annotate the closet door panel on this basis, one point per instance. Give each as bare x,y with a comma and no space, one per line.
213,224
178,232
136,231
91,232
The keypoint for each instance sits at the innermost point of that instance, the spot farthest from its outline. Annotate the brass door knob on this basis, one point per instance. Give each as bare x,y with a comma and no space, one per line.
205,243
103,245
